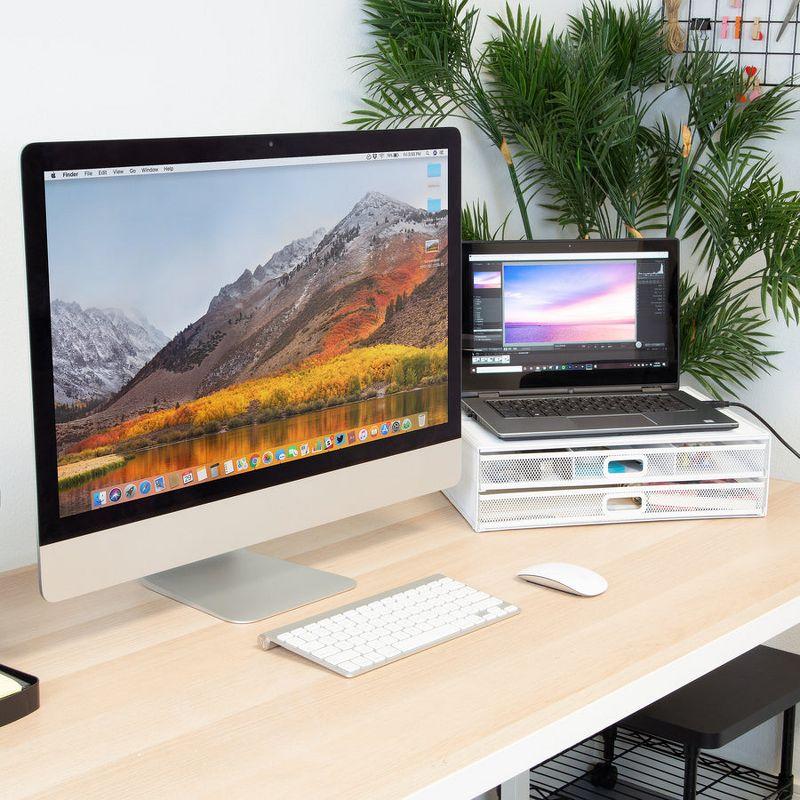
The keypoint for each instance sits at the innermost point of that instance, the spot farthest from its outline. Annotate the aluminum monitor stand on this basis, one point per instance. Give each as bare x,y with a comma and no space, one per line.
242,586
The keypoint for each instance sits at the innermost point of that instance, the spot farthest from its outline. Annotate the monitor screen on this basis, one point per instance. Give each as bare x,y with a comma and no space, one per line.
569,313
216,319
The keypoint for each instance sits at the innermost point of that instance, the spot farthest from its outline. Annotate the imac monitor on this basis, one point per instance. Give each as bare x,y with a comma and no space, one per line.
233,339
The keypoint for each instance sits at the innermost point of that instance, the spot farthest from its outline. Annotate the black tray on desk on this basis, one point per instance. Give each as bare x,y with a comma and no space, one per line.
19,704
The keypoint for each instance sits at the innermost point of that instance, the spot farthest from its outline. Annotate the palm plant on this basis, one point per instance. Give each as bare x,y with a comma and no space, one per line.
579,112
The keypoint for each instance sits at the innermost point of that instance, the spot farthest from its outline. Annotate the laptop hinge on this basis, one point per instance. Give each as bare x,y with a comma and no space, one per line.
651,389
484,395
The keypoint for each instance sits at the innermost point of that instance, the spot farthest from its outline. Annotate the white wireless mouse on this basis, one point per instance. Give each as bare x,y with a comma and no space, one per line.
566,577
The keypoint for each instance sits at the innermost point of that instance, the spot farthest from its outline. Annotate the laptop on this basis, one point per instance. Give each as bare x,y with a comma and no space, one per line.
571,338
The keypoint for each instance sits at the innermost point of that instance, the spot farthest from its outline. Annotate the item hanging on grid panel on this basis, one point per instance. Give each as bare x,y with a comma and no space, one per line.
700,25
723,31
756,33
755,91
673,33
788,18
737,28
753,84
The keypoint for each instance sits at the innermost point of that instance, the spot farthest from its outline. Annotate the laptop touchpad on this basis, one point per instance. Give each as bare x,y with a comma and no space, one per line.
613,421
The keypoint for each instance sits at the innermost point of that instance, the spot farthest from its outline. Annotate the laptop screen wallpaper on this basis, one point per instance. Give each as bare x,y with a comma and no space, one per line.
569,302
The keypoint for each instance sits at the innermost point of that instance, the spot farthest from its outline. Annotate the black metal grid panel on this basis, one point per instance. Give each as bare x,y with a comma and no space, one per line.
776,61
648,769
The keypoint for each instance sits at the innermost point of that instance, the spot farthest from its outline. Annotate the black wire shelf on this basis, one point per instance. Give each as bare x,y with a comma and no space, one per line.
647,768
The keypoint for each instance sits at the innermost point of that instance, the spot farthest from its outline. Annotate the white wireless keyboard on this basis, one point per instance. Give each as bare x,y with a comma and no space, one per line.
372,632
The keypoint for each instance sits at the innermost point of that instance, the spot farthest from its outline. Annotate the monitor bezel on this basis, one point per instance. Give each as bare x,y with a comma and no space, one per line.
41,157
475,384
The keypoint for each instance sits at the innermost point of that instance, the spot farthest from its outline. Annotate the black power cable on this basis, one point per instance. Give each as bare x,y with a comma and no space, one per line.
734,404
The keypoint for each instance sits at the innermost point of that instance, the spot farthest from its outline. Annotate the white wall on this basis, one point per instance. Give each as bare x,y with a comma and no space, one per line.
93,70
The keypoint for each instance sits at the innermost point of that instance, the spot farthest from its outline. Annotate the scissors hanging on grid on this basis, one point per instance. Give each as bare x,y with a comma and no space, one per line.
788,18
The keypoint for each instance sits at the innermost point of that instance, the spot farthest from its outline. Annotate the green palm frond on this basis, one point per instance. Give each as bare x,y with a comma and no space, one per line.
524,67
713,86
475,225
631,38
757,120
583,125
420,64
660,176
719,199
741,211
723,341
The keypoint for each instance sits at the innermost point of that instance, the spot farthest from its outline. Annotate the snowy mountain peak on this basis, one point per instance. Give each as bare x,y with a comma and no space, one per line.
281,262
379,203
97,350
288,257
241,287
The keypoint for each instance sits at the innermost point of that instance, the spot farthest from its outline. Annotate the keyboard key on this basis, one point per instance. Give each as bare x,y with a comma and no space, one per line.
481,605
347,655
426,638
375,658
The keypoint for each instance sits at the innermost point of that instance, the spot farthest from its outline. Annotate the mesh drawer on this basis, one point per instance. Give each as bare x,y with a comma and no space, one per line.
608,465
604,504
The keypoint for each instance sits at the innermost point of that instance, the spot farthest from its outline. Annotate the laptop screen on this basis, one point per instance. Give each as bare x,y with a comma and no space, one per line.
568,316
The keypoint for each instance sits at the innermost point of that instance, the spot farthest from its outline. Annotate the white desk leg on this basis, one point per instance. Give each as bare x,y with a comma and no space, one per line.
518,788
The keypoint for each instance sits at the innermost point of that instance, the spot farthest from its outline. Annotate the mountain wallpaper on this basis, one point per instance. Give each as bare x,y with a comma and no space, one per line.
343,315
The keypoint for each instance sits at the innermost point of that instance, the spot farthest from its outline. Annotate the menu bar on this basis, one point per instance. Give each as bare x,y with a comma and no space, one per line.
257,163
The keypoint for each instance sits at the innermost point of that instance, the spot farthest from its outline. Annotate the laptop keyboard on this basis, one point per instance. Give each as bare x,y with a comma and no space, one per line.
587,405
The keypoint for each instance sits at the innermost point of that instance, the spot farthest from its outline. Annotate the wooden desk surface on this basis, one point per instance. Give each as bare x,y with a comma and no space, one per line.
142,697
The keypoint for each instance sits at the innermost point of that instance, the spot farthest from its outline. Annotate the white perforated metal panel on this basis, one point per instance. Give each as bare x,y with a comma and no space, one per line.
527,469
592,505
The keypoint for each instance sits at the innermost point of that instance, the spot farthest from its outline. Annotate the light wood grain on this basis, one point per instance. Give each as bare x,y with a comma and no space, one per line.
142,697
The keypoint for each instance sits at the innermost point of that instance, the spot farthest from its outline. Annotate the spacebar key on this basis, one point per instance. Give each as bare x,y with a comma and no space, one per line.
429,637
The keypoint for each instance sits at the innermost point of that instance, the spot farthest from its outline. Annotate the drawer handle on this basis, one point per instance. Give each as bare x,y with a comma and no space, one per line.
624,504
625,466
